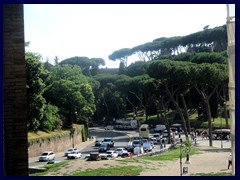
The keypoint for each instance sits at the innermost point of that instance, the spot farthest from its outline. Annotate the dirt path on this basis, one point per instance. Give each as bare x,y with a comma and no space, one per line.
206,162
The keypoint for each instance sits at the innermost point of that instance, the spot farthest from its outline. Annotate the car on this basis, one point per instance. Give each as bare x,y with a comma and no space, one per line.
97,143
109,141
109,154
157,136
147,147
165,133
104,147
159,128
120,151
145,141
177,127
137,138
87,156
47,156
109,128
129,148
70,150
74,155
136,143
154,140
126,154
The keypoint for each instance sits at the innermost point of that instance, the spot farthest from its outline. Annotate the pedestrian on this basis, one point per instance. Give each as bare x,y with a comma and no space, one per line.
229,160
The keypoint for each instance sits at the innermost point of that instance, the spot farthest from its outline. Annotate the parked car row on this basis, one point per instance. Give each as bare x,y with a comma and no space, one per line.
49,156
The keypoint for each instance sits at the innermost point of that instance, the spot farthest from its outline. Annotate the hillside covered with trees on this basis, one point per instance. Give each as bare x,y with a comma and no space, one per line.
173,74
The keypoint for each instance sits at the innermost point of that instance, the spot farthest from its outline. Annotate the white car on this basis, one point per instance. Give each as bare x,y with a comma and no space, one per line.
109,154
70,150
47,156
120,151
74,155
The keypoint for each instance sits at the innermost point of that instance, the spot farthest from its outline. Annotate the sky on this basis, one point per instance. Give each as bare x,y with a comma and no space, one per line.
96,31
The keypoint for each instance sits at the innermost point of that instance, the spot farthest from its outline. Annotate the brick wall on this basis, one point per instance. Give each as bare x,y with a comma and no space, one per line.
15,109
57,143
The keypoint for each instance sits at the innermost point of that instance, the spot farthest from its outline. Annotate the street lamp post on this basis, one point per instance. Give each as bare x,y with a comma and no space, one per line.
187,150
187,160
221,133
181,157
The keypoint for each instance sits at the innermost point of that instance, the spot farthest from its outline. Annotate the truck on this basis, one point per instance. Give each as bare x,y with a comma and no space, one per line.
131,124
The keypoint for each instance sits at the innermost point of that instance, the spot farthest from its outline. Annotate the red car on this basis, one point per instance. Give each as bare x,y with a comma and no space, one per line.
126,154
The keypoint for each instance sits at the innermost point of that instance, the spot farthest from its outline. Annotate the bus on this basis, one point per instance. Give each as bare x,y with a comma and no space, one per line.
144,131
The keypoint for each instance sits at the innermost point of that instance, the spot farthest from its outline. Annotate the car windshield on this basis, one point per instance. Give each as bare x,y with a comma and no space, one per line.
104,145
108,152
44,154
146,144
71,149
107,139
156,135
136,142
74,152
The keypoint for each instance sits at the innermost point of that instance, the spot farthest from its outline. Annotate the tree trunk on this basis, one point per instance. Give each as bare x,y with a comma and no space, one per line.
186,111
209,118
205,99
179,111
226,114
225,106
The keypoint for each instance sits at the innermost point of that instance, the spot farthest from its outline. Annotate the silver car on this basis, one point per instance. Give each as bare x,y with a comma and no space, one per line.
47,156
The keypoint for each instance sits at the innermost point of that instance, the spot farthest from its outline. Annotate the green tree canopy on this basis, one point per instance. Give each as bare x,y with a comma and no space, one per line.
89,66
35,76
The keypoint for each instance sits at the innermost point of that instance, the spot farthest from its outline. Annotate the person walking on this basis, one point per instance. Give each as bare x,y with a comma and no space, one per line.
229,160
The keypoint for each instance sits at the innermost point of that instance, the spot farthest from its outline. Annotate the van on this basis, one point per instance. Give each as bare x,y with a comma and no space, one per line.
144,131
138,150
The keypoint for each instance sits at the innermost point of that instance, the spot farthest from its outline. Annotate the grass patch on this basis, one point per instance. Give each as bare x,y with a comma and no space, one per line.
117,171
171,154
128,160
51,168
213,174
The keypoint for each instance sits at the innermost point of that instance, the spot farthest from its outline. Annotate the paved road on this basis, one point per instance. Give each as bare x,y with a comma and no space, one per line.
120,138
